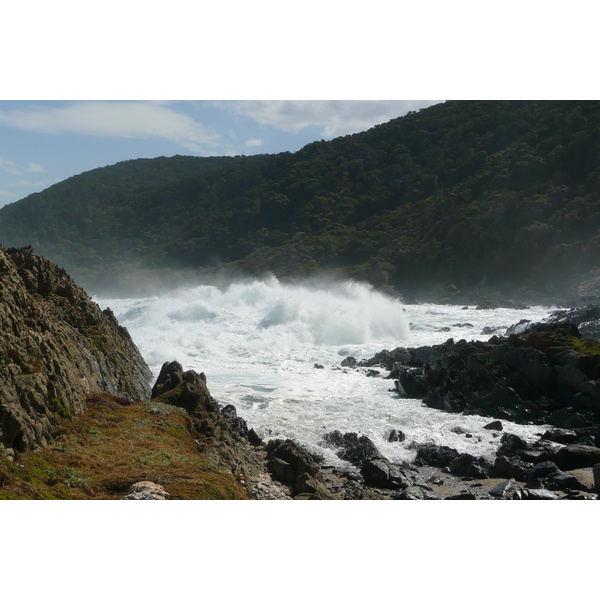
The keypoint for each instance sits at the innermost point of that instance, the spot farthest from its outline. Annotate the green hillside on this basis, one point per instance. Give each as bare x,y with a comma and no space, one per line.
507,192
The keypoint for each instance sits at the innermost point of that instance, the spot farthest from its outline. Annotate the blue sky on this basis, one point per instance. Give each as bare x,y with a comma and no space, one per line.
44,142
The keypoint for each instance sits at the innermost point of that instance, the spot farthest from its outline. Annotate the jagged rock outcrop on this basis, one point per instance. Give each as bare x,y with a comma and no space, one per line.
56,347
547,374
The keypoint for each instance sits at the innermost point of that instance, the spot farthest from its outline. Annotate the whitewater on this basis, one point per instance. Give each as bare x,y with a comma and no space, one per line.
274,350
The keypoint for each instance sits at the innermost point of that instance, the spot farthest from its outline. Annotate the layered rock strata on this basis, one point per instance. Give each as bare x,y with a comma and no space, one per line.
56,347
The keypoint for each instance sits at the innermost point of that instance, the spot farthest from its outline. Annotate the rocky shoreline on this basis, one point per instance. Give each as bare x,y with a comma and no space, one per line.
63,360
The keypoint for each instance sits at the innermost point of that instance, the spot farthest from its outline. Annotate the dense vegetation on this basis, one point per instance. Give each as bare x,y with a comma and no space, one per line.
465,191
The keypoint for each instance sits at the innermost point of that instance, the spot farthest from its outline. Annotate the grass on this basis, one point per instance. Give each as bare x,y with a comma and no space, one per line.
113,444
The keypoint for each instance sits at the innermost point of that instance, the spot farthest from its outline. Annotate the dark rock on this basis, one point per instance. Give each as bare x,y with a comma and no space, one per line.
577,456
318,366
511,444
469,466
254,438
507,490
511,467
416,492
349,361
237,425
411,382
396,436
458,430
292,464
463,496
494,426
560,436
352,447
538,494
382,473
596,472
565,482
434,455
187,390
521,327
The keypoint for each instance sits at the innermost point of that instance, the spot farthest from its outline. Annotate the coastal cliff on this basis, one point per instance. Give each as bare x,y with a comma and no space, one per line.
56,347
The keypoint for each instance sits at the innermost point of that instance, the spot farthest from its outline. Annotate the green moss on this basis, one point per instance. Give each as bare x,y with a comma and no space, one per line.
59,407
172,397
585,346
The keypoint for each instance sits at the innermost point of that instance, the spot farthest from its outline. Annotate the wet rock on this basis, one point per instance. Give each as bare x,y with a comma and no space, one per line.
237,425
352,447
396,435
349,361
434,455
494,426
511,444
560,436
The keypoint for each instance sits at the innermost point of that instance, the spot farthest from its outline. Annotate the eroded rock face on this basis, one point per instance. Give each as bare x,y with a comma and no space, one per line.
56,346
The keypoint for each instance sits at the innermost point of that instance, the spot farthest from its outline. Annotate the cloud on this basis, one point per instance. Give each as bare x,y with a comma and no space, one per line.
253,142
34,168
335,117
120,119
9,166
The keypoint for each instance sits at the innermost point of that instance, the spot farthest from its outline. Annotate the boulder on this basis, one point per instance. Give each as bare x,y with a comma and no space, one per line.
382,473
468,465
507,490
184,389
416,492
396,435
560,436
146,490
292,464
577,456
352,447
434,455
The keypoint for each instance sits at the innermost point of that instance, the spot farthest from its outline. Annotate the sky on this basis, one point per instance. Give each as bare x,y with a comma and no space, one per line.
43,142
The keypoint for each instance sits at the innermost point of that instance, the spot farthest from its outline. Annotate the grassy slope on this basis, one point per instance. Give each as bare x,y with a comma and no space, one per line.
112,445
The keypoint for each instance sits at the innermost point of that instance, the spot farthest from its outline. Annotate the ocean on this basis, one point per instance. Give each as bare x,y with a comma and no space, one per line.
274,350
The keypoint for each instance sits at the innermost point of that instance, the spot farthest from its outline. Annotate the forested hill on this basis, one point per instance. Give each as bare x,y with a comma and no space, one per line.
502,191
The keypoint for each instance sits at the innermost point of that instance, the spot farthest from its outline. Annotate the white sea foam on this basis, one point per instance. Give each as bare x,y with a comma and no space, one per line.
258,343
